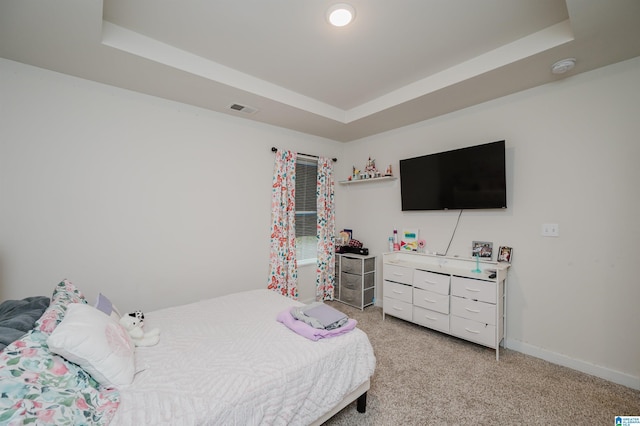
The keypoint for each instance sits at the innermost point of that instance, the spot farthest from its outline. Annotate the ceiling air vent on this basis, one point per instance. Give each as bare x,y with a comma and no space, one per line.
243,108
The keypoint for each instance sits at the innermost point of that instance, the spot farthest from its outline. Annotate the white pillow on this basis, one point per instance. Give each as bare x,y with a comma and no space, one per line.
97,343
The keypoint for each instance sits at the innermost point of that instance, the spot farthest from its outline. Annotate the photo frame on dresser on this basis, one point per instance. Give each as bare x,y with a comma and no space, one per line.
409,239
482,249
505,254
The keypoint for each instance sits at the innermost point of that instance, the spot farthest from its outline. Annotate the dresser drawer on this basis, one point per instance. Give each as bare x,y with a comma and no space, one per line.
484,291
350,281
397,308
435,320
478,311
355,282
355,297
397,291
431,281
399,274
430,300
482,333
355,264
351,296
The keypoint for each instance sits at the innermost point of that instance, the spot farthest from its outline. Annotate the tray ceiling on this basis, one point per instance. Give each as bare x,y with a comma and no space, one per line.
397,63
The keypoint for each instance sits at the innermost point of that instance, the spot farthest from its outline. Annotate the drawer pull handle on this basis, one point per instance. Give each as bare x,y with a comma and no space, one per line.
397,274
473,310
429,300
398,292
430,282
397,308
472,331
472,289
430,318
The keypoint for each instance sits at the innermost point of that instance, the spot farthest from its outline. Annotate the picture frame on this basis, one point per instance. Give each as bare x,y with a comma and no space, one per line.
505,254
409,239
349,232
482,249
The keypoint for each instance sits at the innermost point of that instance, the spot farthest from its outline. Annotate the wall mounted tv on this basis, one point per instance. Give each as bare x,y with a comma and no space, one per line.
466,178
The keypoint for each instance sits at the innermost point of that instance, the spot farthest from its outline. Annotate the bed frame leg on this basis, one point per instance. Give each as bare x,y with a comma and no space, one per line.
361,404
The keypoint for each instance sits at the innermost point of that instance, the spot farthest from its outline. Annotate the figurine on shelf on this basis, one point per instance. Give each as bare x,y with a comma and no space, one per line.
388,172
355,173
370,170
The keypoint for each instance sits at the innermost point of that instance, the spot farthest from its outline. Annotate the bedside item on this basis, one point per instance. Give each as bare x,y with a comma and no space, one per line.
477,270
355,243
355,250
505,254
484,249
356,279
409,240
396,243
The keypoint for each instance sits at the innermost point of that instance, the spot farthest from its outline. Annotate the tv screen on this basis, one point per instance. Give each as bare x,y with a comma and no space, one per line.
466,178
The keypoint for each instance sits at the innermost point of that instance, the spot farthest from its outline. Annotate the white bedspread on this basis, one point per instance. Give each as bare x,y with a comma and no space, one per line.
227,361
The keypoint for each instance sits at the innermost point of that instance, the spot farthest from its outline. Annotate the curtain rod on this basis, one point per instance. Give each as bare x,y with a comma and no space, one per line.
274,149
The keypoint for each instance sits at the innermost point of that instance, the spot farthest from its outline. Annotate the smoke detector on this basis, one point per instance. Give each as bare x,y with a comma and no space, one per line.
563,66
243,108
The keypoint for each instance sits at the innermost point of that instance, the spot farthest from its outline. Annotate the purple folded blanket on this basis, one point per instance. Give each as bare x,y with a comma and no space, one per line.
311,333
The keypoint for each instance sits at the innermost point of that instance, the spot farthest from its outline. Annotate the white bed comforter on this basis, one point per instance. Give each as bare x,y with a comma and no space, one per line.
227,361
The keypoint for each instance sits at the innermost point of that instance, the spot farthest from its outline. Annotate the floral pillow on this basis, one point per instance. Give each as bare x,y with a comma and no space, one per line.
63,294
39,387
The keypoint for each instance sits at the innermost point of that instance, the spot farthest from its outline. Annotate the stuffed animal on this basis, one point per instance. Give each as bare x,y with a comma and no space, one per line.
133,323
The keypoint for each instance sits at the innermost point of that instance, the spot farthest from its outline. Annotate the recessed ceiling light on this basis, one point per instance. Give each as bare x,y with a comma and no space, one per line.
340,14
563,66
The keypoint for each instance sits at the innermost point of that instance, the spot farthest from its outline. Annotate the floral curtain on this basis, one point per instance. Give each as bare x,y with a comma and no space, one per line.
283,273
325,274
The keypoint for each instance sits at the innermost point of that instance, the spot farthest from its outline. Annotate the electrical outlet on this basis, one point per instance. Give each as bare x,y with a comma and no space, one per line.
550,230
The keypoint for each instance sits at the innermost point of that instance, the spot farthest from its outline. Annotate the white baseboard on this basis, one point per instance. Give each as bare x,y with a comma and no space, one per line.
576,364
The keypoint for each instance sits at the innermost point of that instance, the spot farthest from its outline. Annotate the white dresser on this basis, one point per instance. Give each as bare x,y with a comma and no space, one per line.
446,294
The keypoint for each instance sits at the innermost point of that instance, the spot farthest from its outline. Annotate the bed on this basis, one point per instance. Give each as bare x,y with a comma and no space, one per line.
219,361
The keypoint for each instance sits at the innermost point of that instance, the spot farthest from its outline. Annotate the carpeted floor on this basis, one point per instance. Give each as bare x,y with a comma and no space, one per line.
427,378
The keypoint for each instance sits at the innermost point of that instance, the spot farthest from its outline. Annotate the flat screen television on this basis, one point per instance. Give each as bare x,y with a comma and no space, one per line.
465,178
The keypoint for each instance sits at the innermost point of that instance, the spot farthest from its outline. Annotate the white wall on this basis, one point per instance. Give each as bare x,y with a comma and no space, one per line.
157,203
152,202
572,159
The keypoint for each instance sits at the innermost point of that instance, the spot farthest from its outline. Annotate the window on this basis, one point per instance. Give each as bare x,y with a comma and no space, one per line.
306,209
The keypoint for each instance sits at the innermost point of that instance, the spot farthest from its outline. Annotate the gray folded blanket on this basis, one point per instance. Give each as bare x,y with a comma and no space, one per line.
321,316
19,316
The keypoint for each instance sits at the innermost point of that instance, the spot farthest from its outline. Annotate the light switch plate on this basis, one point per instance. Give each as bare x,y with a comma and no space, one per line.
550,230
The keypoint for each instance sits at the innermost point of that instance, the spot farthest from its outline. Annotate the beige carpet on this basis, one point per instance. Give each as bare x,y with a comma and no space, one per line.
427,378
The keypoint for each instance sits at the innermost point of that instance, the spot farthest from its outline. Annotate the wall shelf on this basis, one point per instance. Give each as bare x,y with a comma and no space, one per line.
378,179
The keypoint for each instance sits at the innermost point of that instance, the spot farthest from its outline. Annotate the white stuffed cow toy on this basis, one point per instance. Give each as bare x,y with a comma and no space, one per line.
133,323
